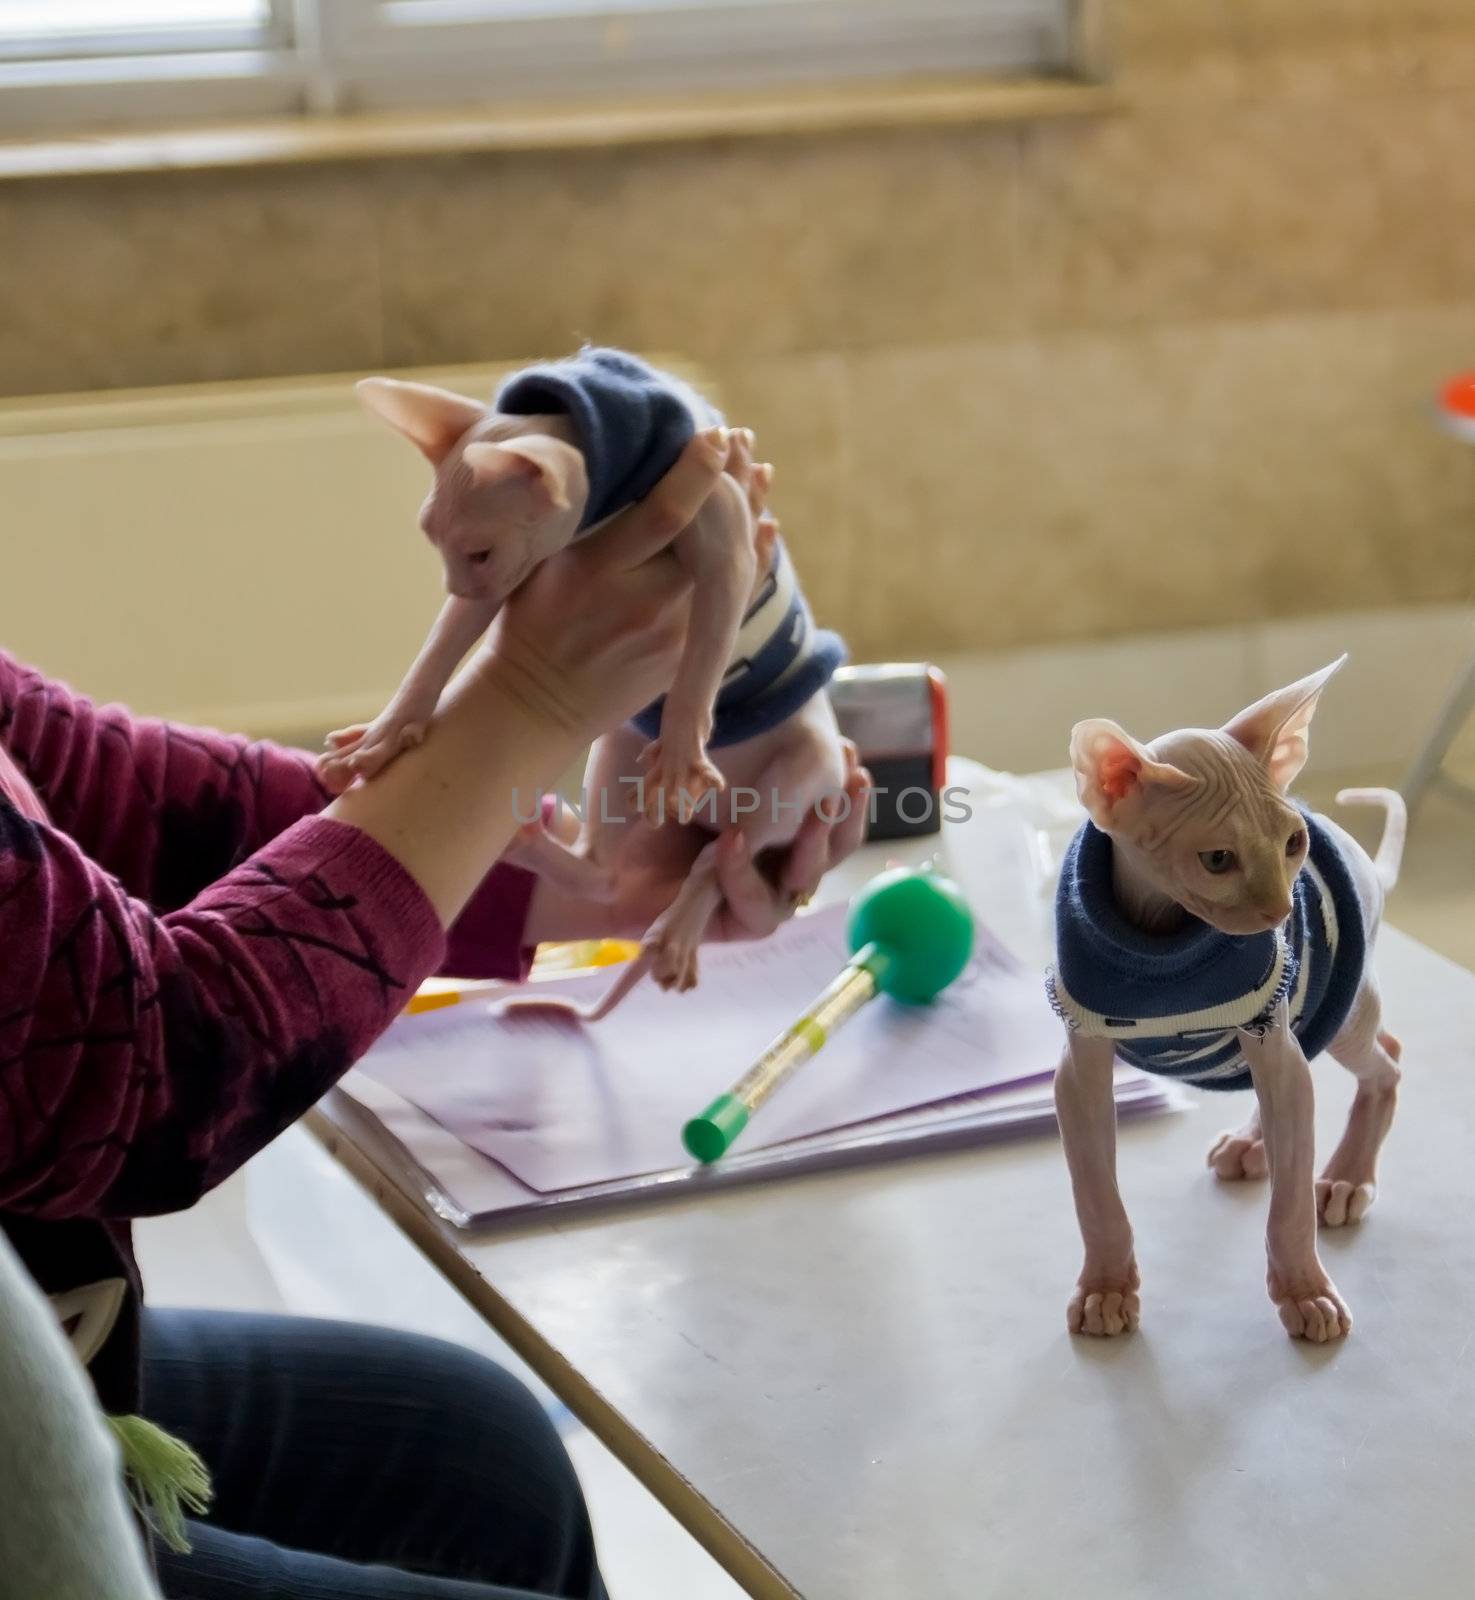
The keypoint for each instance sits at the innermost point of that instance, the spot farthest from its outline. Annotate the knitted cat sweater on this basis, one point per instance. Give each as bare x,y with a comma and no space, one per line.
1174,1003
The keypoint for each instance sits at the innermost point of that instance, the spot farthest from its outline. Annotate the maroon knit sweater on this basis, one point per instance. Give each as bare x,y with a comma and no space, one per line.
189,958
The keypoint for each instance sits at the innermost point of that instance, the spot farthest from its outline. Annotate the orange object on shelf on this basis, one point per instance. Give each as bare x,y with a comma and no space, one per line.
1457,405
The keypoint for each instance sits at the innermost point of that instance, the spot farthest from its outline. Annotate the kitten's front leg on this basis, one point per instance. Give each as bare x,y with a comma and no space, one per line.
1299,1285
1105,1301
365,750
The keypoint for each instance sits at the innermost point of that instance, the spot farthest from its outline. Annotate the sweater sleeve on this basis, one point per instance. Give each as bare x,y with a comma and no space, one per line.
168,809
143,1058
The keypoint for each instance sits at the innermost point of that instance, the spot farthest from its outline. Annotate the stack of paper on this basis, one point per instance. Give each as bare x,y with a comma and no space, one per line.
558,1113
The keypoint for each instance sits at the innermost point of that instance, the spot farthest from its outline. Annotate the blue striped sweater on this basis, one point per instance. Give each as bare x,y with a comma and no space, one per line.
1173,1003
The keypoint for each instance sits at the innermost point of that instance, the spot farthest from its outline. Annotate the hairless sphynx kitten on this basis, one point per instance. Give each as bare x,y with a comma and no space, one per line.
1210,929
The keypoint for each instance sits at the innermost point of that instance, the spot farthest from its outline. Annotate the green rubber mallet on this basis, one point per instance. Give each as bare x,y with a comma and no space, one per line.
911,933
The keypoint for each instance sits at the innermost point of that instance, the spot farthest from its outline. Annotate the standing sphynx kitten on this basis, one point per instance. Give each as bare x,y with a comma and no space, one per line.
566,446
1211,930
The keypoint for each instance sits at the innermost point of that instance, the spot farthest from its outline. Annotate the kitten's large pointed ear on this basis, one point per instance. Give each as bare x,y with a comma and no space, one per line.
1111,767
431,419
1275,730
544,466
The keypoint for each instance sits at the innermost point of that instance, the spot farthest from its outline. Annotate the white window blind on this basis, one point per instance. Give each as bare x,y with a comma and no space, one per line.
42,29
81,61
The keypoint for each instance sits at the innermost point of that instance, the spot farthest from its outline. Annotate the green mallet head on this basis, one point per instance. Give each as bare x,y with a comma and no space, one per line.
921,928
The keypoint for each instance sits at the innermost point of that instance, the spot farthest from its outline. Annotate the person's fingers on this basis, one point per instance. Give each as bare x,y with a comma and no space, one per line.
765,537
739,462
755,491
808,858
834,829
849,832
750,903
639,531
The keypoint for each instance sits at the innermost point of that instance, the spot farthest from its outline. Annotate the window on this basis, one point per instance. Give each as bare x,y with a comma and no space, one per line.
68,27
72,62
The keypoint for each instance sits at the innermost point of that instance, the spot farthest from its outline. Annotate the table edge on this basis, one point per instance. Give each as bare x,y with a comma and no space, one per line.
435,1241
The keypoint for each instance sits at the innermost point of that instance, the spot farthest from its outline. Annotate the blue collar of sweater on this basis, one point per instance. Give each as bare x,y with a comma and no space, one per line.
1184,948
1120,970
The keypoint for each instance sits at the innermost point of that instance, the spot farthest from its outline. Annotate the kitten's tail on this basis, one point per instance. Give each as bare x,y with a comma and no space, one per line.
1395,829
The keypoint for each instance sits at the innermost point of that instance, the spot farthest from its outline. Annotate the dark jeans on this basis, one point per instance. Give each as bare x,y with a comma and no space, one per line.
353,1463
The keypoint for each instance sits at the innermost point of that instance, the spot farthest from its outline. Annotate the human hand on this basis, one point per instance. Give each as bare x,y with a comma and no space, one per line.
756,899
651,864
596,632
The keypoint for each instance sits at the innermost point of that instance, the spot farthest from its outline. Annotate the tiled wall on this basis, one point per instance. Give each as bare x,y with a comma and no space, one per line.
1021,384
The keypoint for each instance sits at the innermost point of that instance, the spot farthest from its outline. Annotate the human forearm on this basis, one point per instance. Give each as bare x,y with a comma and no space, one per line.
446,809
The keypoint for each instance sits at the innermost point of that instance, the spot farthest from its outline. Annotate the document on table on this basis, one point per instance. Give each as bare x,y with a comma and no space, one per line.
564,1106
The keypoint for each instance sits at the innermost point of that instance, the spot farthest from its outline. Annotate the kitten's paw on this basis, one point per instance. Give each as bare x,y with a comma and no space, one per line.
343,740
1343,1199
1240,1154
673,960
334,773
334,766
382,743
1310,1307
1105,1304
677,783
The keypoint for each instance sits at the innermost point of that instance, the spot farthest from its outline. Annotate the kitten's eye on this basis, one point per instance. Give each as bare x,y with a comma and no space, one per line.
1296,843
1217,861
479,558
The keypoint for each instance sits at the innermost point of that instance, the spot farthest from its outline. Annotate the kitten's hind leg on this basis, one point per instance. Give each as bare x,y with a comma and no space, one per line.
1349,1184
1241,1152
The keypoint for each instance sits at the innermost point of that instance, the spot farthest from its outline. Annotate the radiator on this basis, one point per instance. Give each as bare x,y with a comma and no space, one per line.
238,554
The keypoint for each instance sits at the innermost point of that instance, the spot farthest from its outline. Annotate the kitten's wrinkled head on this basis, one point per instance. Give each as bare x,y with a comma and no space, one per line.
497,507
1202,814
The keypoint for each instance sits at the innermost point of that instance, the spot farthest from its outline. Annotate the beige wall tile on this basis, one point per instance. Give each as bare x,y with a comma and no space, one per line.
1025,492
711,250
1015,708
1378,51
1190,51
1188,215
1093,485
126,282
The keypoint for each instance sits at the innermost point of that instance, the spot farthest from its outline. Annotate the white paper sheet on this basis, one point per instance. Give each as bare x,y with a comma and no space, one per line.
562,1105
469,1190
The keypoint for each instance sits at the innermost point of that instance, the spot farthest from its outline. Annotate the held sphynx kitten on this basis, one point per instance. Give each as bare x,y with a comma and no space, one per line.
746,737
565,447
1209,929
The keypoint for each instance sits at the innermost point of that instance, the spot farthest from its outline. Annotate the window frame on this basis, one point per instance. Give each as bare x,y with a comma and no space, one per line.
367,55
385,58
